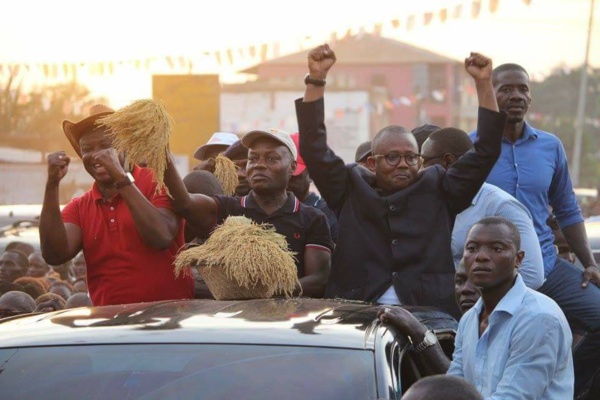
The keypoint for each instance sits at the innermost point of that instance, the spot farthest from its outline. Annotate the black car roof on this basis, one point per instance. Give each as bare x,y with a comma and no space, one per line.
301,322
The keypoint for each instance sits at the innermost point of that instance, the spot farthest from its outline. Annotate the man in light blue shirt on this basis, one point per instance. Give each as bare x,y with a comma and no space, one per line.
515,343
533,169
444,147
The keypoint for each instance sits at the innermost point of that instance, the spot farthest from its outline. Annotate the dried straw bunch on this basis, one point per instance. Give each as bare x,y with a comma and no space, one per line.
226,173
142,130
250,254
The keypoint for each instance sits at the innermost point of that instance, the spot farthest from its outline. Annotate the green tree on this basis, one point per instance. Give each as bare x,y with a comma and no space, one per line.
34,120
554,109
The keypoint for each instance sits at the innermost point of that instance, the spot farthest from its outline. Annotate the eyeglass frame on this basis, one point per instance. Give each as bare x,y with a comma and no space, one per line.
400,157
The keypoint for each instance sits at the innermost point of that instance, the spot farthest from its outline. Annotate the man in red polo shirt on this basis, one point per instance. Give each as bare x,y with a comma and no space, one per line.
128,234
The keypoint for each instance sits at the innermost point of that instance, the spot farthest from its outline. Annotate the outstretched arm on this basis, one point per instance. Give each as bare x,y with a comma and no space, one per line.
320,60
480,68
59,242
464,178
317,263
577,238
432,360
157,226
199,210
327,170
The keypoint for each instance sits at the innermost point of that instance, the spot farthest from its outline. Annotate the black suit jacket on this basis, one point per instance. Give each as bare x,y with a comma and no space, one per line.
402,239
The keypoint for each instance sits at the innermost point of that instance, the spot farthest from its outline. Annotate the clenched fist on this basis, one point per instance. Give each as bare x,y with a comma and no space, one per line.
320,60
479,66
109,159
58,166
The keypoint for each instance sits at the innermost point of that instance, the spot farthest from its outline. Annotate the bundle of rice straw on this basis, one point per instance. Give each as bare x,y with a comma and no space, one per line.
226,173
243,259
142,130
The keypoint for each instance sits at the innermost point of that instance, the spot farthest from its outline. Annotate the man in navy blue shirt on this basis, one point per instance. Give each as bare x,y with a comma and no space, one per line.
533,168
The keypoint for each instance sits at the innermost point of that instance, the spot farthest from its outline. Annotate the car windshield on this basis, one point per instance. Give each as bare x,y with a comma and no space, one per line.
186,371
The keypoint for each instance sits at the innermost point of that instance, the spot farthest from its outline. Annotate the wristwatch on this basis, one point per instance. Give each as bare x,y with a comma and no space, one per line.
313,81
429,340
125,182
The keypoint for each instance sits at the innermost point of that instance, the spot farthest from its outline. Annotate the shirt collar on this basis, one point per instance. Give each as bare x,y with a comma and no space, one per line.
478,195
292,204
529,132
312,199
509,303
513,299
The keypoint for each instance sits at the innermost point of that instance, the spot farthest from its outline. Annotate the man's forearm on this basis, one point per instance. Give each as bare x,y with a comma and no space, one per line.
577,239
180,198
486,95
312,286
53,235
313,93
156,229
433,360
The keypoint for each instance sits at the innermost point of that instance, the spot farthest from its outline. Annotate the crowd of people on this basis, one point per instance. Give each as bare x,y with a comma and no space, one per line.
432,216
29,284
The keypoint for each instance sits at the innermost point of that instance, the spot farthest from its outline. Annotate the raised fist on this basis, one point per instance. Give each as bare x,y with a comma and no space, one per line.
58,166
479,66
320,60
109,159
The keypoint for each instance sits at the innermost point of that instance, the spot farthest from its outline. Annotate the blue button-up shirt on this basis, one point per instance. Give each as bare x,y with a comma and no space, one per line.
534,170
524,353
492,201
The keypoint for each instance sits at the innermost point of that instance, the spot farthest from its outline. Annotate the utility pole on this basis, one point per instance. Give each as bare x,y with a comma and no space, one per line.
581,104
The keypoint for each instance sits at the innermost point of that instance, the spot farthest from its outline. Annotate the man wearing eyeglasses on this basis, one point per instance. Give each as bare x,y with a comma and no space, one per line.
395,225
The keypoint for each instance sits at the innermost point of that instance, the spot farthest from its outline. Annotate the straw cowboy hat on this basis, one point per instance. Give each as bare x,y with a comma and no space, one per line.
74,130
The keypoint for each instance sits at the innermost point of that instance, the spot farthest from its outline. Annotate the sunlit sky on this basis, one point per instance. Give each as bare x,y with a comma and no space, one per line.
540,36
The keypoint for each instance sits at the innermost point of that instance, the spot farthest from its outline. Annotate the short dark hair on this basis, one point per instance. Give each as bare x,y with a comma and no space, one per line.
515,236
391,129
363,151
60,303
447,387
422,132
236,151
62,283
18,245
202,182
32,286
507,67
21,258
6,287
19,301
451,140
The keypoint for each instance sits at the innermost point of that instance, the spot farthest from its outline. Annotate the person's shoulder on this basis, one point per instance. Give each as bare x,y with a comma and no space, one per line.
229,200
80,199
431,173
537,306
310,211
142,173
494,192
358,173
544,135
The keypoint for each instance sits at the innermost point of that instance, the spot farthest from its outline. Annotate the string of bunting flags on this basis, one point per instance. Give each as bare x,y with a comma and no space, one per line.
240,57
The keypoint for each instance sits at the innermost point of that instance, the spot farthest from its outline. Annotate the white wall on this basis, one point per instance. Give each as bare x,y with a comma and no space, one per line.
346,116
24,183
